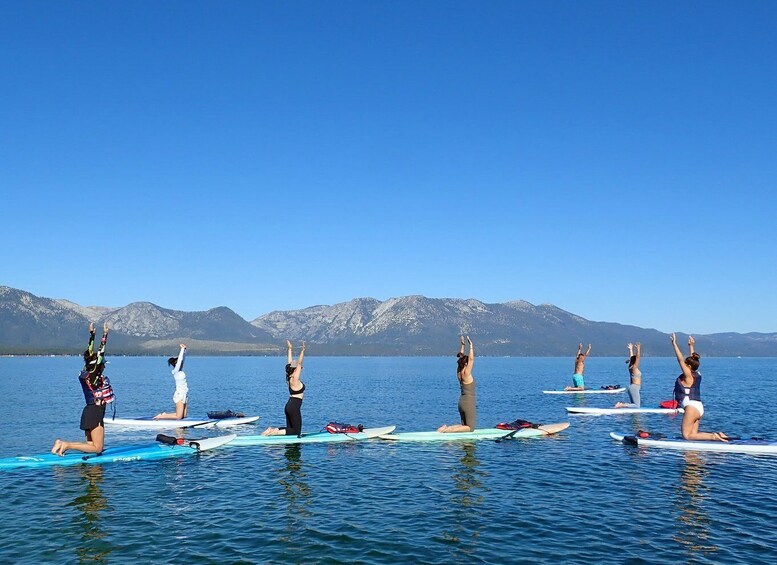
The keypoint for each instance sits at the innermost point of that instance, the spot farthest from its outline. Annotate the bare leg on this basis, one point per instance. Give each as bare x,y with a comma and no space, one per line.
690,427
454,429
181,409
95,443
274,432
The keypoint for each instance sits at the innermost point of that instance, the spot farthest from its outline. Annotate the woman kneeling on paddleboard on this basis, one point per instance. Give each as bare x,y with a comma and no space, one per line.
467,399
293,409
687,393
97,393
635,377
181,394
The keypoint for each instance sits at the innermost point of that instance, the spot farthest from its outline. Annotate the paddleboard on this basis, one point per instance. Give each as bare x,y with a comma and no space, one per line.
587,391
482,433
618,411
742,445
318,437
117,454
150,423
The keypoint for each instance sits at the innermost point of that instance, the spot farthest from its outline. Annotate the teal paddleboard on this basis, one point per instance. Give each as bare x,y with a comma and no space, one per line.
319,437
483,433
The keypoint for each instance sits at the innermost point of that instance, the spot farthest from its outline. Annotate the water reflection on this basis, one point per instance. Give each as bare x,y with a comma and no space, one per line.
296,491
467,500
693,523
93,546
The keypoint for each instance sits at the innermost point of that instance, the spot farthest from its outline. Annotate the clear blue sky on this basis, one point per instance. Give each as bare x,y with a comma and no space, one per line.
616,159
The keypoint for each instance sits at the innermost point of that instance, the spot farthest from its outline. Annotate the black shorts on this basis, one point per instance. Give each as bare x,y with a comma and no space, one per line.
92,417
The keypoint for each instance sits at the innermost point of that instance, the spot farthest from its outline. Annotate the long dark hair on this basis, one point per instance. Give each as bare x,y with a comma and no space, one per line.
173,361
693,361
289,371
90,357
462,361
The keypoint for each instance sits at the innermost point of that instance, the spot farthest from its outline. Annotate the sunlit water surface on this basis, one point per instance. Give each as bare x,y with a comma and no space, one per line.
577,497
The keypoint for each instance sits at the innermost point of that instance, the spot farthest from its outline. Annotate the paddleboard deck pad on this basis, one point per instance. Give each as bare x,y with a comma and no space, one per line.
318,437
147,452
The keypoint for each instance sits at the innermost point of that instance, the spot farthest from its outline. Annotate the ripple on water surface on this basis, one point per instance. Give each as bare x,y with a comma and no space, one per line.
577,497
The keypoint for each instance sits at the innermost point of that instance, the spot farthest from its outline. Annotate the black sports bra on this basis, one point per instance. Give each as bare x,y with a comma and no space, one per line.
300,391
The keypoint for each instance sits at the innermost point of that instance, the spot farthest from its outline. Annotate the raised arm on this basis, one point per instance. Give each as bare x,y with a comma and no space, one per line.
638,355
90,345
691,343
298,369
680,359
179,363
587,350
471,361
461,347
103,341
288,353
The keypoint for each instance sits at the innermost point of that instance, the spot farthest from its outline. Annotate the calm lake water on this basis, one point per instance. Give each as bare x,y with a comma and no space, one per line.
576,497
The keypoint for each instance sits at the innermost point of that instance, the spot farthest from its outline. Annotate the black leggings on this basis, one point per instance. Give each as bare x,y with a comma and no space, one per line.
293,413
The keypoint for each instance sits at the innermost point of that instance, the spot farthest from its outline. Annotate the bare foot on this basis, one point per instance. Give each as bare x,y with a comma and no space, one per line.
269,432
620,405
442,428
159,416
55,449
61,448
720,436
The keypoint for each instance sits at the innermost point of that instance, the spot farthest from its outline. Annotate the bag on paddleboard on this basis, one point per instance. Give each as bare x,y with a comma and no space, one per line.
221,414
516,425
669,404
340,428
610,387
169,440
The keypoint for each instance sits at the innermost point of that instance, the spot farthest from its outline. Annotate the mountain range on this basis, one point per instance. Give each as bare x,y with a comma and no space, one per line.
409,325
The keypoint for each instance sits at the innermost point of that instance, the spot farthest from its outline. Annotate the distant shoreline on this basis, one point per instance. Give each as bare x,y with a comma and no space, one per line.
108,356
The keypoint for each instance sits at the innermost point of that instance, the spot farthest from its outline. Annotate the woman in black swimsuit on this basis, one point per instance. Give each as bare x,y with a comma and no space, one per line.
293,409
467,409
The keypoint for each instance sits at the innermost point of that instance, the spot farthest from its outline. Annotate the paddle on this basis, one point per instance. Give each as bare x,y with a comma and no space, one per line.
508,436
209,422
512,433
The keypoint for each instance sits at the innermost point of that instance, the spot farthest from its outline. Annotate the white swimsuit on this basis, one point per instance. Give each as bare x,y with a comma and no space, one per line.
181,387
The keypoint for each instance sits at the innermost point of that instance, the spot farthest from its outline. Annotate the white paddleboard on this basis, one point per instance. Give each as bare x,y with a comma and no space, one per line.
150,423
482,433
587,391
743,445
618,411
318,437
